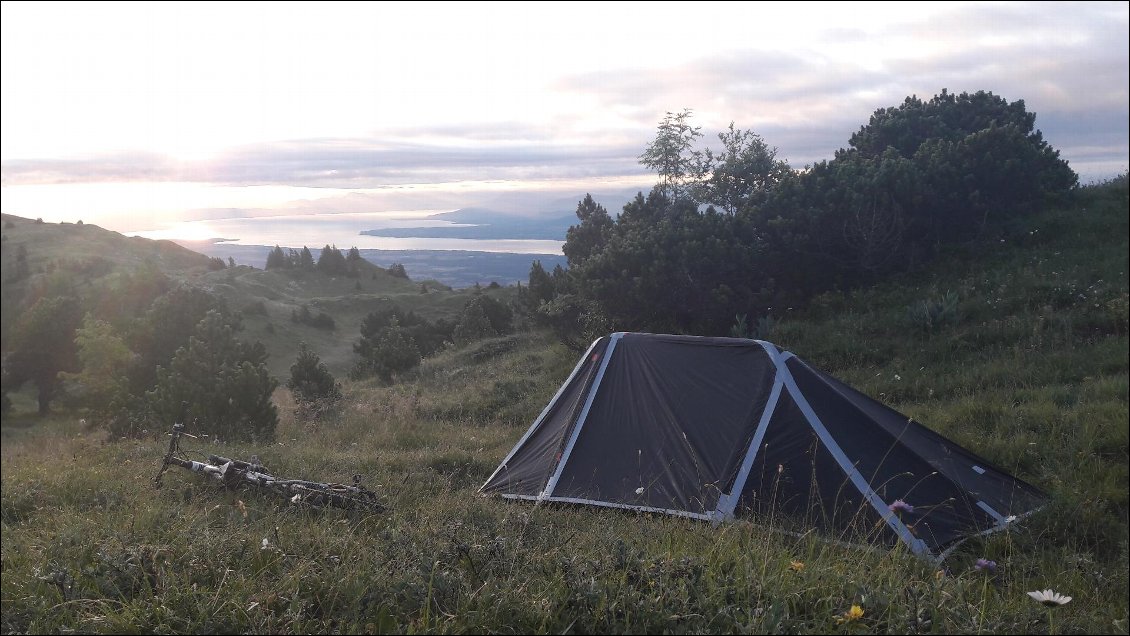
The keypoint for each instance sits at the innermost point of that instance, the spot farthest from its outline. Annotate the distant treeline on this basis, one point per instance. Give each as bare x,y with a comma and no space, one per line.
330,261
738,232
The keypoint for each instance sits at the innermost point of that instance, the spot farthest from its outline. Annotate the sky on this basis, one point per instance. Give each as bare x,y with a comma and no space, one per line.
137,115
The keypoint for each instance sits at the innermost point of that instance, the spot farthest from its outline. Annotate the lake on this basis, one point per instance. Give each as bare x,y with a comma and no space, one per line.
343,231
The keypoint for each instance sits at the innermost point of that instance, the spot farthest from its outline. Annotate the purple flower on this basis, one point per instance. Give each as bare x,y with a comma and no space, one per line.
985,565
899,506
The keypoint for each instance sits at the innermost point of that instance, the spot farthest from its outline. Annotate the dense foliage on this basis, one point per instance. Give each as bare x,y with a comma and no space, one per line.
219,384
43,345
738,233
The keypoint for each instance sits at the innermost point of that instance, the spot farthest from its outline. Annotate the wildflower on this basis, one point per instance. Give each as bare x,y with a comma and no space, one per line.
266,545
985,565
1049,598
296,499
899,506
796,566
853,614
639,491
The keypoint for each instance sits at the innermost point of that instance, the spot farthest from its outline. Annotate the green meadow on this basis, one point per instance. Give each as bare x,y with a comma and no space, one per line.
1020,355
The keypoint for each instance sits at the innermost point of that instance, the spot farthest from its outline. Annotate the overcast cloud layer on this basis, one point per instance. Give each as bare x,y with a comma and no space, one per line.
359,98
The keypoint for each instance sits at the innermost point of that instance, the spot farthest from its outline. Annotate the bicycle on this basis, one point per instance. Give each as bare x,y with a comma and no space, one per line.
234,473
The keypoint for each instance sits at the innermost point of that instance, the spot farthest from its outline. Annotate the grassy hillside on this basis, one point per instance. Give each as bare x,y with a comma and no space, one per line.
75,258
85,259
267,298
1024,362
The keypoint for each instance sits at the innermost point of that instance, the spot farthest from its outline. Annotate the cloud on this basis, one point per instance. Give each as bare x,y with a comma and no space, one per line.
347,163
1067,61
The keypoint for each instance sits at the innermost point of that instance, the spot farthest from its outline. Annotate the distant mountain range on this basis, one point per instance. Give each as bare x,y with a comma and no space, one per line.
481,223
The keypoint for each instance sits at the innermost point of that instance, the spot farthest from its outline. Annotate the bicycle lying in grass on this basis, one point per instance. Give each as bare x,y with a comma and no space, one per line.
234,473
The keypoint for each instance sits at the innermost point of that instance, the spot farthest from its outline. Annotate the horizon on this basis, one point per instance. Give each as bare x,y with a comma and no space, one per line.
139,118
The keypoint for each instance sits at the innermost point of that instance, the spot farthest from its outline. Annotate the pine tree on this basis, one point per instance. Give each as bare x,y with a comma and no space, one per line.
473,325
224,382
389,351
276,259
312,385
306,259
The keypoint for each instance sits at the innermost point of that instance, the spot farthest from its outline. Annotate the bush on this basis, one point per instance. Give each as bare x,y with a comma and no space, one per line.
930,314
312,385
391,351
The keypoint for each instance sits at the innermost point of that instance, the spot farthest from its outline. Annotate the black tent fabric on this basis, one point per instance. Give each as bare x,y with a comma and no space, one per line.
718,428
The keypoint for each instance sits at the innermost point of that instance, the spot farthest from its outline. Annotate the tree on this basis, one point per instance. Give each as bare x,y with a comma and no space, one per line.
946,117
43,344
223,381
498,314
588,237
305,260
397,270
332,261
389,351
167,326
428,336
743,174
540,288
311,383
980,160
672,157
104,359
20,270
276,259
473,325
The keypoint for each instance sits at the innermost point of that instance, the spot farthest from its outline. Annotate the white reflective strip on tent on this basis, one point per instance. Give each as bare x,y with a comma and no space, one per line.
548,492
610,504
916,545
544,412
992,512
728,502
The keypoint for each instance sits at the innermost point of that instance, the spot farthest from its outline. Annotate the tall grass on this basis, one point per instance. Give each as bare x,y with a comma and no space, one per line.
1030,375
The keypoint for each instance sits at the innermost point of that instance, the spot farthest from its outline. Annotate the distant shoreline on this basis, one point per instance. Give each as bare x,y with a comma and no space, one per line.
455,268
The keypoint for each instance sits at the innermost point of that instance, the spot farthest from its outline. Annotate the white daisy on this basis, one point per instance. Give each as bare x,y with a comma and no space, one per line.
1050,598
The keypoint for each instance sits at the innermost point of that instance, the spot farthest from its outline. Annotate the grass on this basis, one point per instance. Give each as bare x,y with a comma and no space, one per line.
1032,373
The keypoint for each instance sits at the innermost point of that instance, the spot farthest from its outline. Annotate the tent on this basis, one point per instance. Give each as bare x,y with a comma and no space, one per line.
718,428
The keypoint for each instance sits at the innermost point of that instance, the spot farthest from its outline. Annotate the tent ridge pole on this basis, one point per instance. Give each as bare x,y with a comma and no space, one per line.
728,502
916,545
552,484
544,412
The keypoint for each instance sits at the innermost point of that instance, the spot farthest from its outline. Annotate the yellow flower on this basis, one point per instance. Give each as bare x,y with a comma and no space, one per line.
853,614
796,566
